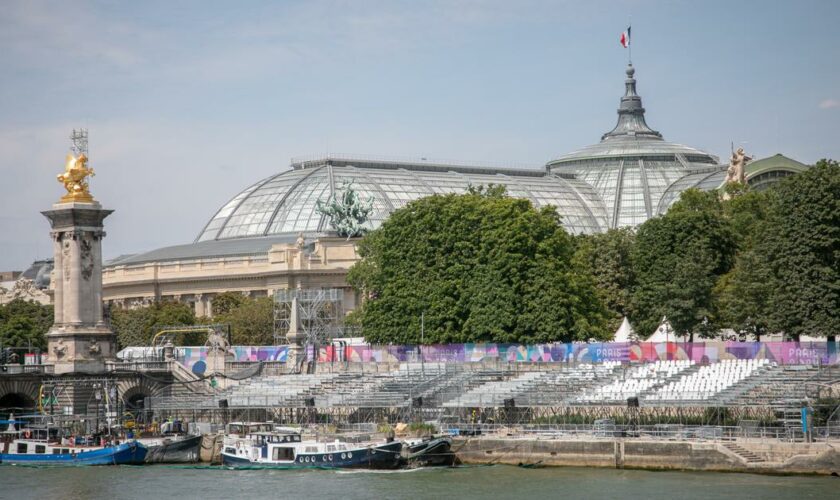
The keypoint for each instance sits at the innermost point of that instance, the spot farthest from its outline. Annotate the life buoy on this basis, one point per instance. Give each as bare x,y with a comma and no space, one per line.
27,434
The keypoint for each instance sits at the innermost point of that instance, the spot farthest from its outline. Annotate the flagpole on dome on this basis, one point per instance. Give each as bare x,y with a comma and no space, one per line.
625,41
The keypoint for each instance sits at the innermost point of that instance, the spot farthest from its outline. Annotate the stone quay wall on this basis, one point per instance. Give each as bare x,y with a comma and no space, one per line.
763,457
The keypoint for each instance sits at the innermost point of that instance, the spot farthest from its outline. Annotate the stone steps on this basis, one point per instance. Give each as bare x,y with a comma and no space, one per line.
748,456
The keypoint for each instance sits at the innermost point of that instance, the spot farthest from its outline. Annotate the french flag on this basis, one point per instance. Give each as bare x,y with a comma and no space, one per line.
625,38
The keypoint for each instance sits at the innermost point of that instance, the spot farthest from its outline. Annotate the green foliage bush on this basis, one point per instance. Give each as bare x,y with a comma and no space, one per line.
251,321
479,267
25,323
136,327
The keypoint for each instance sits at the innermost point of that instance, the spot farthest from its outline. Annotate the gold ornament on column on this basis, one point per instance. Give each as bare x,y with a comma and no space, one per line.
74,179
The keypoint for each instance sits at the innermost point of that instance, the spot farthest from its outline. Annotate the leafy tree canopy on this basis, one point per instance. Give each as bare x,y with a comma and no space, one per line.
480,267
136,327
225,302
677,260
25,323
801,243
607,255
251,322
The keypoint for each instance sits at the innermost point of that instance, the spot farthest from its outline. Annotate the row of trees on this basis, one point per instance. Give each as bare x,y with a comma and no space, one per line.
251,321
757,263
25,323
487,267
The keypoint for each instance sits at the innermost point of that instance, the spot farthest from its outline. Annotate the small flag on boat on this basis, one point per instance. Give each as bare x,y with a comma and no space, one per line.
625,38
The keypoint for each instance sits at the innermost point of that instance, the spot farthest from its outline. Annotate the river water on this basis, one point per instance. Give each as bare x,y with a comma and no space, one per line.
498,481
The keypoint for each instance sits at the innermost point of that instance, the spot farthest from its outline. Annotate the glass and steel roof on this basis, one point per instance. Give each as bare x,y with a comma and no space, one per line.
285,203
706,180
761,174
632,166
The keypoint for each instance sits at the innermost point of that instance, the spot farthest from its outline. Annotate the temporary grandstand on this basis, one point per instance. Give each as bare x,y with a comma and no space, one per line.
726,392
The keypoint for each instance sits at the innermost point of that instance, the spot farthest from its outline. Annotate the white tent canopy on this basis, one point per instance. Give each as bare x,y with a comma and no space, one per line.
665,333
625,332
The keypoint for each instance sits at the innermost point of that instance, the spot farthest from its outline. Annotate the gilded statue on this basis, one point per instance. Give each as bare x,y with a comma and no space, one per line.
75,177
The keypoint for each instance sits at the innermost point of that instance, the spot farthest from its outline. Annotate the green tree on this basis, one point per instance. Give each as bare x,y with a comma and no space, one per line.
251,322
802,246
480,267
607,255
677,259
747,214
742,296
136,327
225,302
25,323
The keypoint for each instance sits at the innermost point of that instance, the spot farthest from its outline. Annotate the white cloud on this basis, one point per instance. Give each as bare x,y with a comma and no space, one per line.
829,103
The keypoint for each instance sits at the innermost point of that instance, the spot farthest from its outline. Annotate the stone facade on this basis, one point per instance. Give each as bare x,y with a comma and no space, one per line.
23,289
322,263
79,340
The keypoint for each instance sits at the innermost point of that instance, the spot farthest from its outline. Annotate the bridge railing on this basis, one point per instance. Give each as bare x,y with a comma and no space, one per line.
15,369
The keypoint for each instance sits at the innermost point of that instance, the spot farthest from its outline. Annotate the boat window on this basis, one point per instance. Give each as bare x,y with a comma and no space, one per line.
311,449
56,451
230,449
330,448
282,453
39,448
235,429
65,451
342,447
21,448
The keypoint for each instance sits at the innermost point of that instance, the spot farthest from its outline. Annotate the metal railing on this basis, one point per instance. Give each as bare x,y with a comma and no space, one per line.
17,369
659,431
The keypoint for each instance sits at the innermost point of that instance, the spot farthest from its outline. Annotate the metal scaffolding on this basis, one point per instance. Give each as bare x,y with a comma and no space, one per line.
321,314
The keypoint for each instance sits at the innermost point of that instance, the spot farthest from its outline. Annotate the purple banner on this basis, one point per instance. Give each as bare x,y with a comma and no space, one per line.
788,353
785,353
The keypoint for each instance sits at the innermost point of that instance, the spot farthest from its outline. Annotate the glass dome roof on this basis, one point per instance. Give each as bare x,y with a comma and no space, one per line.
707,180
285,203
632,166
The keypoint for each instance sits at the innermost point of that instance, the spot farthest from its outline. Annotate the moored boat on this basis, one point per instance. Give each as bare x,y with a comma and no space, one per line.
37,441
429,452
31,452
285,449
182,449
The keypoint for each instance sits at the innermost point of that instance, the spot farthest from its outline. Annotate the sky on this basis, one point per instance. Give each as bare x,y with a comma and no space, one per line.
187,103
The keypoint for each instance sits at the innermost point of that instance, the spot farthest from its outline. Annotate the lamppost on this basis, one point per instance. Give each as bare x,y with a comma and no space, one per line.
422,340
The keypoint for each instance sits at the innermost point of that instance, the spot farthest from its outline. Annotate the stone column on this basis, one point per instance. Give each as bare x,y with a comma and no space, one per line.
97,271
58,277
296,338
73,277
79,340
199,305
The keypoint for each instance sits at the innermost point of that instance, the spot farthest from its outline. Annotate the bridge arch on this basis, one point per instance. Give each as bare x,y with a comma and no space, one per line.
133,392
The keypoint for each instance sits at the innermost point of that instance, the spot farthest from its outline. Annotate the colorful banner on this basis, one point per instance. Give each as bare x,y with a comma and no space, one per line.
195,358
787,353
